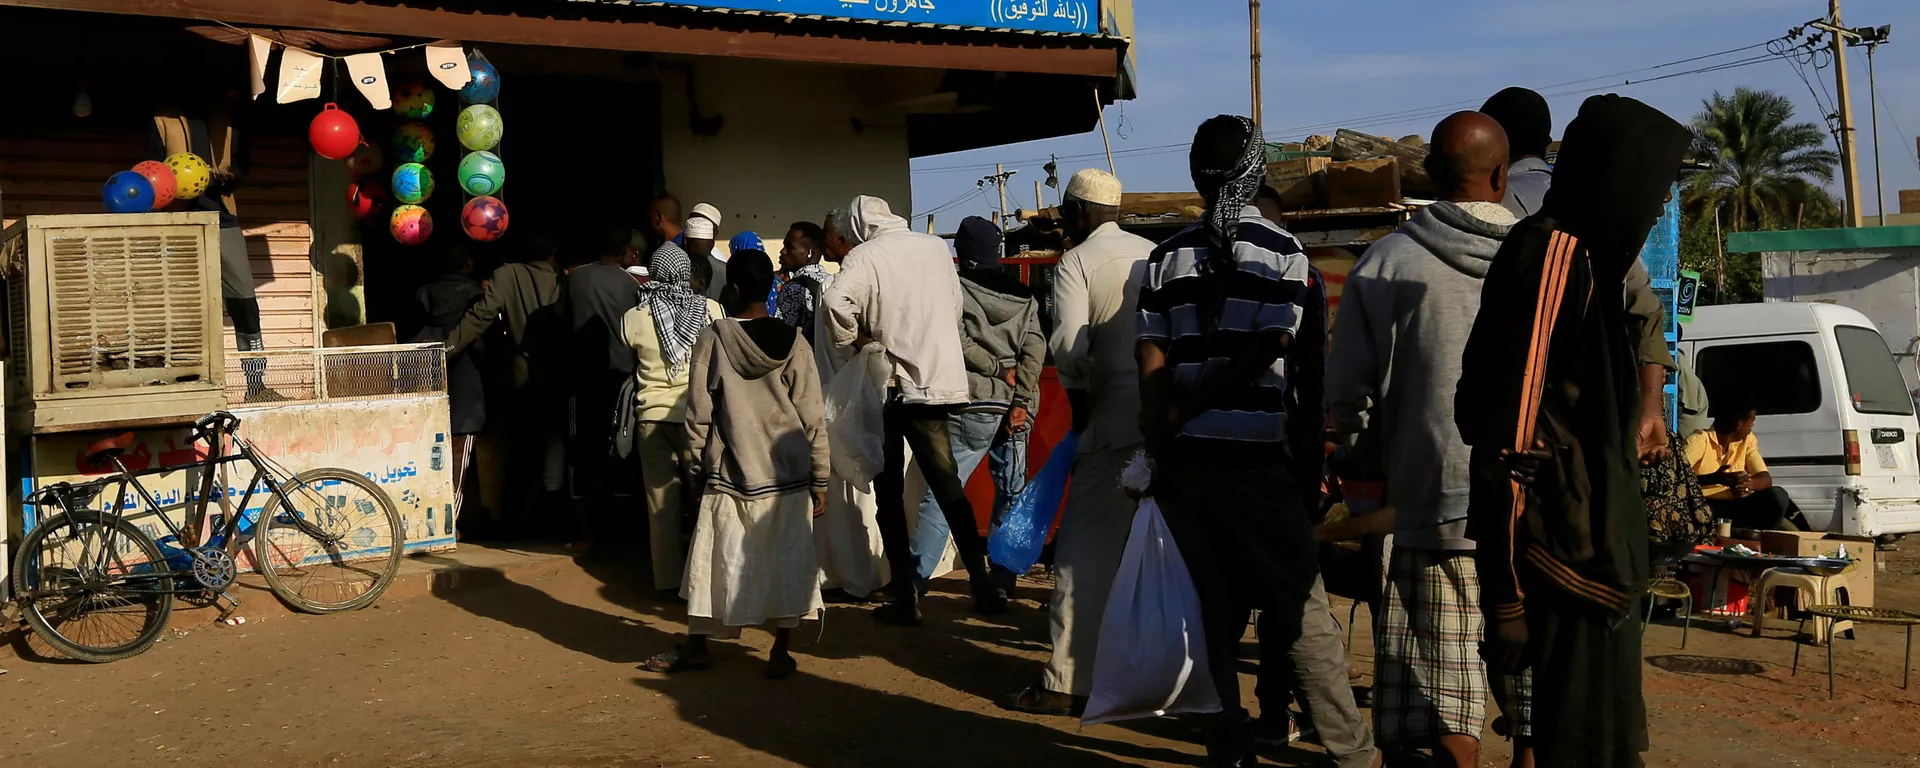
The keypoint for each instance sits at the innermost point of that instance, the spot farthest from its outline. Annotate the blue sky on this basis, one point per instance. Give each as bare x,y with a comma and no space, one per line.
1332,62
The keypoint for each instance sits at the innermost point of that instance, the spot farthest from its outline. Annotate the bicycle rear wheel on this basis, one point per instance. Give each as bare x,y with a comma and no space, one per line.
329,542
94,589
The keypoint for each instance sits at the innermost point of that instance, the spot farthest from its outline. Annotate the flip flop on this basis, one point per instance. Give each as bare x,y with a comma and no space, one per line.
673,661
1031,700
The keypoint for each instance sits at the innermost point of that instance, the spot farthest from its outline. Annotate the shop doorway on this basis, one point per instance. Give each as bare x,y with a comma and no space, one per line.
580,153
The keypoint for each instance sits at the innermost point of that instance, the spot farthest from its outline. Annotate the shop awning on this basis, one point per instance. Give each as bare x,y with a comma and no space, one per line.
739,28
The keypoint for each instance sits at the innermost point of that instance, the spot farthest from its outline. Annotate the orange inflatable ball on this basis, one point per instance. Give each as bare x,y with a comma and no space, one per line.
411,225
161,177
333,133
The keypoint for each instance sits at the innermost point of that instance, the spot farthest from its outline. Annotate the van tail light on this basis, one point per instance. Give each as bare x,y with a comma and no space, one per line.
1853,451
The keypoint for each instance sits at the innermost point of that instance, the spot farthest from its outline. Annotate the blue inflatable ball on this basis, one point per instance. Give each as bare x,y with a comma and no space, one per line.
128,192
485,85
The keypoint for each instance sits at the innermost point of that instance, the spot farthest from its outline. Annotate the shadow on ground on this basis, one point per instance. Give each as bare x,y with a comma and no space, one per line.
1706,665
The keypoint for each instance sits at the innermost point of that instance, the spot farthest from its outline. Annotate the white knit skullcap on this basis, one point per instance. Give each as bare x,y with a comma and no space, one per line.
699,229
1095,186
708,212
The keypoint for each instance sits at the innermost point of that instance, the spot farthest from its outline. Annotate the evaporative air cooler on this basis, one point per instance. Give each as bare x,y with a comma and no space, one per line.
113,320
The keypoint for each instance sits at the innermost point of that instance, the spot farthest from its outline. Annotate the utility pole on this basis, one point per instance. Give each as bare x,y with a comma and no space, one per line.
1849,160
1873,105
1849,154
1000,182
1253,9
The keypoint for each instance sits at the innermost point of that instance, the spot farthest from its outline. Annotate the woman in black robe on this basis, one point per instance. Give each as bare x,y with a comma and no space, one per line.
1549,402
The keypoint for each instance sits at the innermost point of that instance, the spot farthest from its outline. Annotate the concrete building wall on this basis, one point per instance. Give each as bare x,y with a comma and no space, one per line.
788,148
1883,284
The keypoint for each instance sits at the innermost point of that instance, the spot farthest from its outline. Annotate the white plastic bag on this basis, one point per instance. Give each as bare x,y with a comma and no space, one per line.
1152,658
856,430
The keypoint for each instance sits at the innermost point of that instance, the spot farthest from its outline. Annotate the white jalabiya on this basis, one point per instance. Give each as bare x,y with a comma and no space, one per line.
752,563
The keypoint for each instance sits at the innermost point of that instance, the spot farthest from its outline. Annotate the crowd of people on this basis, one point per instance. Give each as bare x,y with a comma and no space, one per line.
1484,406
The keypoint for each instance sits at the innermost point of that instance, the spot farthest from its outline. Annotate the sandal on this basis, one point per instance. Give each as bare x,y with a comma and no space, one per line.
1033,701
674,661
781,667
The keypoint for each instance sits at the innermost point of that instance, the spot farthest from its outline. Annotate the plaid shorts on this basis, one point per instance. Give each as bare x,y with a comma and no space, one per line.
1430,680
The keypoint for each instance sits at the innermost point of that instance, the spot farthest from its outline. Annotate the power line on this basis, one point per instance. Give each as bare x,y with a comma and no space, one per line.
943,207
1437,110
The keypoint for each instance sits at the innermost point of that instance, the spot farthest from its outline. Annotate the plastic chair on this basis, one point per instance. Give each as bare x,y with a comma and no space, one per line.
1671,589
1821,589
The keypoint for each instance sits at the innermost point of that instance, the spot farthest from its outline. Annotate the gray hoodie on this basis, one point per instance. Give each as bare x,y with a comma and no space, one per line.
1402,328
1002,318
755,418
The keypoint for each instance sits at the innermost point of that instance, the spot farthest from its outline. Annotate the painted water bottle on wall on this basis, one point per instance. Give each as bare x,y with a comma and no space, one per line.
439,462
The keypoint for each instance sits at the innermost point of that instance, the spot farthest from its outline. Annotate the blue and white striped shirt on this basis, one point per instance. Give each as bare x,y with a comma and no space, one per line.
1205,316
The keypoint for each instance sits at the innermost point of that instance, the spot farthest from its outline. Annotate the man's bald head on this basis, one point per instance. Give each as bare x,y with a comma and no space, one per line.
1468,158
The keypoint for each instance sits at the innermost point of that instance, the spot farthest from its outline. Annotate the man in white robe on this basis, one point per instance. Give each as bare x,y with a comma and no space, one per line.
1093,340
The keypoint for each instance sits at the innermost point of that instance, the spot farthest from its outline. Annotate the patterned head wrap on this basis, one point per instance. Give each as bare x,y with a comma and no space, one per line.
1236,184
679,314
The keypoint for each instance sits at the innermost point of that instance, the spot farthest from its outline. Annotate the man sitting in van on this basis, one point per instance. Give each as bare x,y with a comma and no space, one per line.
1733,477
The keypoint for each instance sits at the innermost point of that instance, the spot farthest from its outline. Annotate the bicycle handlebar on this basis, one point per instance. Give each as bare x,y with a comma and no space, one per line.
214,423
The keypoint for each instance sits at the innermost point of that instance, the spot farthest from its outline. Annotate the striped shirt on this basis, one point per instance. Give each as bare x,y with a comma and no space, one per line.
1205,316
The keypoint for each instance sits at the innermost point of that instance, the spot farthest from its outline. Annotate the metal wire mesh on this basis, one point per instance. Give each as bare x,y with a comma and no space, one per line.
342,373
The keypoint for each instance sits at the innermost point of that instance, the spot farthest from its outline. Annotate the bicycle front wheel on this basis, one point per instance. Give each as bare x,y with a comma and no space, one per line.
95,588
330,541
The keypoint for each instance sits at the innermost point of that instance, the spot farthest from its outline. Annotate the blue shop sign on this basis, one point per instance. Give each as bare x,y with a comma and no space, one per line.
1067,16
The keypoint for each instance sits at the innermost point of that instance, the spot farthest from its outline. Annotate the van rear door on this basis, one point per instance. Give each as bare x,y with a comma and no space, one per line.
1879,410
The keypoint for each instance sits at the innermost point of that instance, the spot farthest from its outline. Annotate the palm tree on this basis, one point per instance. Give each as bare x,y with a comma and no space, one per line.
1764,171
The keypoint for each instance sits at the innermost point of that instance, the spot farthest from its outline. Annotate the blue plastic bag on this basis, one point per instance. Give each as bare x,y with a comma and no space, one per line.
1016,545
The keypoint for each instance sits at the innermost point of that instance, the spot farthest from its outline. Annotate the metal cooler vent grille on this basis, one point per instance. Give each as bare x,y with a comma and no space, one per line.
126,307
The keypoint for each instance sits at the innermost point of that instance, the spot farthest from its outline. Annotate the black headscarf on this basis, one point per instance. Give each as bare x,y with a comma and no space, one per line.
978,244
1617,164
1527,119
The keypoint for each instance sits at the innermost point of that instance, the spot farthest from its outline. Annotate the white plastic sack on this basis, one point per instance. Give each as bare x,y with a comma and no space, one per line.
1152,658
847,539
856,430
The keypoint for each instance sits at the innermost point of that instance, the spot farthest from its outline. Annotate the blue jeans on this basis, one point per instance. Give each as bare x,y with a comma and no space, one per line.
974,436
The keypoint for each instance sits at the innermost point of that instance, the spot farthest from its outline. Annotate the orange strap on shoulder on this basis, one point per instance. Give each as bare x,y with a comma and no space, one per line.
1546,311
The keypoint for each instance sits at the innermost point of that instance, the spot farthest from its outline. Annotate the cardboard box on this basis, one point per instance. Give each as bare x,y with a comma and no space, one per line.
1363,183
1816,544
1301,182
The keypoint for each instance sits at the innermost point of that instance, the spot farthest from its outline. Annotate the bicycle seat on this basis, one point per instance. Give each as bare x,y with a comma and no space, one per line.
105,450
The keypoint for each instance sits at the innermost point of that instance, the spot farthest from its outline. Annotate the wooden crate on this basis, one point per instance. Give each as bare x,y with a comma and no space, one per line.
1363,183
113,320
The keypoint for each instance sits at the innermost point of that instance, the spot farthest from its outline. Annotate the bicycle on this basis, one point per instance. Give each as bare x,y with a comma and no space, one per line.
83,573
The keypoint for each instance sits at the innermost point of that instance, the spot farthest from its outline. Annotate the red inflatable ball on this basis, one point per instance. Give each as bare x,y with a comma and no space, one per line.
367,199
365,161
160,175
333,133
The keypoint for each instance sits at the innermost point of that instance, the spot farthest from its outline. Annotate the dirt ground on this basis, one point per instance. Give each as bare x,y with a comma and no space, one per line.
542,670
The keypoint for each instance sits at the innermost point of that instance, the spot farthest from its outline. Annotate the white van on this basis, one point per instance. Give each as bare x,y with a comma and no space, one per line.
1836,427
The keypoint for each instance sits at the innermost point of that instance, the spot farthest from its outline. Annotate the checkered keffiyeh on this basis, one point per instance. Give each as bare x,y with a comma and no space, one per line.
1237,186
1429,678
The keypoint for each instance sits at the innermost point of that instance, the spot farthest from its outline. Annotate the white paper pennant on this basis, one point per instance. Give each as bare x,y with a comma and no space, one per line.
299,76
448,64
258,49
369,73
